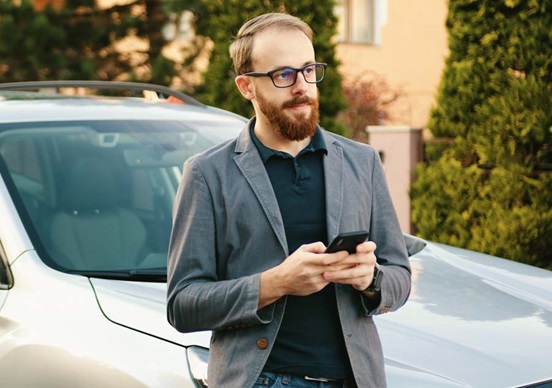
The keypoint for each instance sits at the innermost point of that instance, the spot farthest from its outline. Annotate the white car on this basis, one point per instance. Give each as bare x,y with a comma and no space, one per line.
86,192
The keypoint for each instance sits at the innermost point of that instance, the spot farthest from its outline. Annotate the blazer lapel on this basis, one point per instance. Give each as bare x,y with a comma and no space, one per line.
333,169
251,166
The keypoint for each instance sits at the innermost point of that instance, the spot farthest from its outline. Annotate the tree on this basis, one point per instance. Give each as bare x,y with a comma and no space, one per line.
486,184
81,40
368,98
75,41
221,20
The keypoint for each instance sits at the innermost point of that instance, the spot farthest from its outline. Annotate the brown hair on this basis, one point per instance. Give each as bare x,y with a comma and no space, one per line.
242,47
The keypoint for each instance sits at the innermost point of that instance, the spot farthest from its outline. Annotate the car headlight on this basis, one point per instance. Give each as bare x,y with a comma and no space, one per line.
198,359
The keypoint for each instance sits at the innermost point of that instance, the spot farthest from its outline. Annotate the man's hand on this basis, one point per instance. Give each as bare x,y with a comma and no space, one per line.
301,273
309,269
356,269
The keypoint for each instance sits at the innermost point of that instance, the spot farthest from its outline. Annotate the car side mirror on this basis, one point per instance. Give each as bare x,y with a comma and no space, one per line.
6,278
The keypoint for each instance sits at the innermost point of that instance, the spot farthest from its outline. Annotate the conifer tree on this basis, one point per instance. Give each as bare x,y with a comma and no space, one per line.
74,41
79,40
221,20
487,184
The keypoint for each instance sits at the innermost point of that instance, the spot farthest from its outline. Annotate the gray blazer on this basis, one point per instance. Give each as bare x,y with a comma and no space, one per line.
228,229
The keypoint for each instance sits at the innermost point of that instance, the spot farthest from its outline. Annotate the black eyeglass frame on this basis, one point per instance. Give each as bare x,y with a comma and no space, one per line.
295,69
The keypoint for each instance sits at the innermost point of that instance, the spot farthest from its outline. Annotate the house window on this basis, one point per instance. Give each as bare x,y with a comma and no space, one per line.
360,21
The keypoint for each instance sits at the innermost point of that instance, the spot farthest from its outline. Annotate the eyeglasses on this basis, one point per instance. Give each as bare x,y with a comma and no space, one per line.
284,77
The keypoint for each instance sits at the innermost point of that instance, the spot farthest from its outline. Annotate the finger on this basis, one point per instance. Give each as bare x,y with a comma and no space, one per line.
351,271
366,247
341,271
334,258
363,258
348,276
339,267
316,247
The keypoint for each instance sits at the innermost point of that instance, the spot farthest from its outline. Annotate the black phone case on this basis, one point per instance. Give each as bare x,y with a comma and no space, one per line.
347,241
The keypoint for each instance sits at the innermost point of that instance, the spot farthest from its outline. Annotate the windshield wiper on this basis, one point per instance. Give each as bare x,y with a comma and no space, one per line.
137,274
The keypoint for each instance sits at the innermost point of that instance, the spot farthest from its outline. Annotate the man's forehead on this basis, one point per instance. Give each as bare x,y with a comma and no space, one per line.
277,47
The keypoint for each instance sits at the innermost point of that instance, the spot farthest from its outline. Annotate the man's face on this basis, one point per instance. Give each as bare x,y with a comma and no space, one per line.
288,122
291,112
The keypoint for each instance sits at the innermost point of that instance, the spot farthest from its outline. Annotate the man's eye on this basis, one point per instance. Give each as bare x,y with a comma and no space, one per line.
309,70
284,74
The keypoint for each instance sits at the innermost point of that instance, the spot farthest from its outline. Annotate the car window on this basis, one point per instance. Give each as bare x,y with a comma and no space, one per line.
99,194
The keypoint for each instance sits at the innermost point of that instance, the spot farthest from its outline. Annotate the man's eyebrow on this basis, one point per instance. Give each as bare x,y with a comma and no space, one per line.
291,67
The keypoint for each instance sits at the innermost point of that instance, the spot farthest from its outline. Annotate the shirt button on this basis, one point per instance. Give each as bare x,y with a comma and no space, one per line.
262,343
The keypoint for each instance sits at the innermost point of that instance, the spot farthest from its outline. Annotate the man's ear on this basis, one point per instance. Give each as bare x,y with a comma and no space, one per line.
245,87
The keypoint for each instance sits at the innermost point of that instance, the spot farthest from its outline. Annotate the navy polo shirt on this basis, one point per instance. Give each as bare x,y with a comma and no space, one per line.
310,340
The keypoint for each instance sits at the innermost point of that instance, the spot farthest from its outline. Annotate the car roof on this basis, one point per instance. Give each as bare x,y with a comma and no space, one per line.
106,109
48,102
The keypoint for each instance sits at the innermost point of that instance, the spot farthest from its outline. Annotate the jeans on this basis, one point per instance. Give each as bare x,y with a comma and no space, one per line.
277,380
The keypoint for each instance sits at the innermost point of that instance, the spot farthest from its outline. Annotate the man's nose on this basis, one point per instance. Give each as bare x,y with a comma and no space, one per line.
301,85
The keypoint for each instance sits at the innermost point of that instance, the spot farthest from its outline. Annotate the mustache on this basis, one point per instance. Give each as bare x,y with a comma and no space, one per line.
297,101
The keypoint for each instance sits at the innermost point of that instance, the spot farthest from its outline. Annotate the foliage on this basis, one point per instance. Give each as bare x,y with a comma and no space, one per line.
81,40
368,98
71,42
221,20
486,184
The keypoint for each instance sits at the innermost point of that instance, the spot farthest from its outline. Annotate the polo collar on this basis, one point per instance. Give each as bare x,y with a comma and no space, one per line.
317,143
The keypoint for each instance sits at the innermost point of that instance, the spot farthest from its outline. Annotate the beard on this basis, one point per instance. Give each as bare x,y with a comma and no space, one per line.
294,127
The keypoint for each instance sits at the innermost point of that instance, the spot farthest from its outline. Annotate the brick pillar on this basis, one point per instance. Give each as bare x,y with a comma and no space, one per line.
400,148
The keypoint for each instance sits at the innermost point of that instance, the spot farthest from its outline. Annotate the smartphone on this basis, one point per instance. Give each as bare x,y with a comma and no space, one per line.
347,241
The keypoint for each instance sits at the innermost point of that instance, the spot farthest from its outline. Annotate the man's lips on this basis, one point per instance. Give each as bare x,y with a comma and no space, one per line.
299,106
299,103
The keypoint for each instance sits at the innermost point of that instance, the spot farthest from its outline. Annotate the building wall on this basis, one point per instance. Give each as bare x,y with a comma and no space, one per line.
410,58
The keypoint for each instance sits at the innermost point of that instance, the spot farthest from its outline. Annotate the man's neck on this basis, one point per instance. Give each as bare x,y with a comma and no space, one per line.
270,139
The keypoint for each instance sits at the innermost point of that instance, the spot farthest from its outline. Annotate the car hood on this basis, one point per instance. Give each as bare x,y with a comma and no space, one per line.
471,320
142,306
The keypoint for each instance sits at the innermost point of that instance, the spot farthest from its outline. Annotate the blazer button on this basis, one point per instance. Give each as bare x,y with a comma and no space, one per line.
262,343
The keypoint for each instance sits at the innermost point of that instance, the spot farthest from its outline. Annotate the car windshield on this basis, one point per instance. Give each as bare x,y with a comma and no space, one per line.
96,196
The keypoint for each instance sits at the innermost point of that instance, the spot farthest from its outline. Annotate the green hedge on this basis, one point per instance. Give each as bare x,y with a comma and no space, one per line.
485,183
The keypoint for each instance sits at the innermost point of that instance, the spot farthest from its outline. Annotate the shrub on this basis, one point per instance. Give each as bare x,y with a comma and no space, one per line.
484,184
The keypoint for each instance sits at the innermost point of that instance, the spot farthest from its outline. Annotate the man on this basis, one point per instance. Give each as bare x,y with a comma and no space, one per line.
252,220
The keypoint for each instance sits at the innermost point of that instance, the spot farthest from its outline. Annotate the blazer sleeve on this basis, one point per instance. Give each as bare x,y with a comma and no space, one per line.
391,249
196,298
